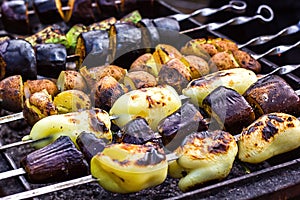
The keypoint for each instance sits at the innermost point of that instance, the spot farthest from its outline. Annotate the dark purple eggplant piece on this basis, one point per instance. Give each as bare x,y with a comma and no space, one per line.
137,131
273,94
51,59
93,48
168,29
108,8
184,121
128,43
58,161
18,58
15,17
228,110
90,145
47,11
150,35
81,12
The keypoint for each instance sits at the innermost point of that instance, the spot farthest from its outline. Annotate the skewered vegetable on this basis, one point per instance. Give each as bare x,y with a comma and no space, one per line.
150,35
273,94
33,86
58,161
205,156
106,91
14,14
24,62
175,127
72,124
228,110
270,135
137,131
39,105
153,104
50,59
126,168
139,79
71,101
47,11
238,79
92,48
175,74
12,93
71,80
81,11
198,66
90,145
145,62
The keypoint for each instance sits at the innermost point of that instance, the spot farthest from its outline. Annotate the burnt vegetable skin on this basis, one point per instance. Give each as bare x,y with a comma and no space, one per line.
15,17
81,12
184,121
228,110
59,161
24,62
273,94
47,11
51,59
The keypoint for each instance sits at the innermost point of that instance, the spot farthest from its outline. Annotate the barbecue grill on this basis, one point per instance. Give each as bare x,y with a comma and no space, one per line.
276,178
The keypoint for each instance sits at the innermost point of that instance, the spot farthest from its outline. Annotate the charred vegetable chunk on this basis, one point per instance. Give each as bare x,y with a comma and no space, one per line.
51,34
33,86
228,110
126,168
273,94
23,62
14,17
153,104
175,74
59,161
184,121
137,131
168,29
106,91
90,145
198,66
72,124
73,34
145,62
11,93
92,48
133,17
150,35
139,79
39,105
270,135
238,79
102,25
72,101
51,59
47,11
205,156
71,80
81,11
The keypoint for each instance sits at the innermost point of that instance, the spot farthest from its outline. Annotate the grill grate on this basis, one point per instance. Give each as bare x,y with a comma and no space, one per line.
276,178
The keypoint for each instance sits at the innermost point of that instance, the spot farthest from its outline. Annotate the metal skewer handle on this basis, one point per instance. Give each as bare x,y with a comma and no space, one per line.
234,5
237,20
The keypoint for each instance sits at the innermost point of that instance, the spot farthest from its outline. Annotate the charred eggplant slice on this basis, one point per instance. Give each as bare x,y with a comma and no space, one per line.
14,17
228,110
150,34
90,145
59,161
51,59
24,59
47,11
168,29
137,131
273,94
81,11
93,48
184,121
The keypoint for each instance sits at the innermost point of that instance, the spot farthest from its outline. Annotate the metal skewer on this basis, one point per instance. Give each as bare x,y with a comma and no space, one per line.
266,38
234,5
236,20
